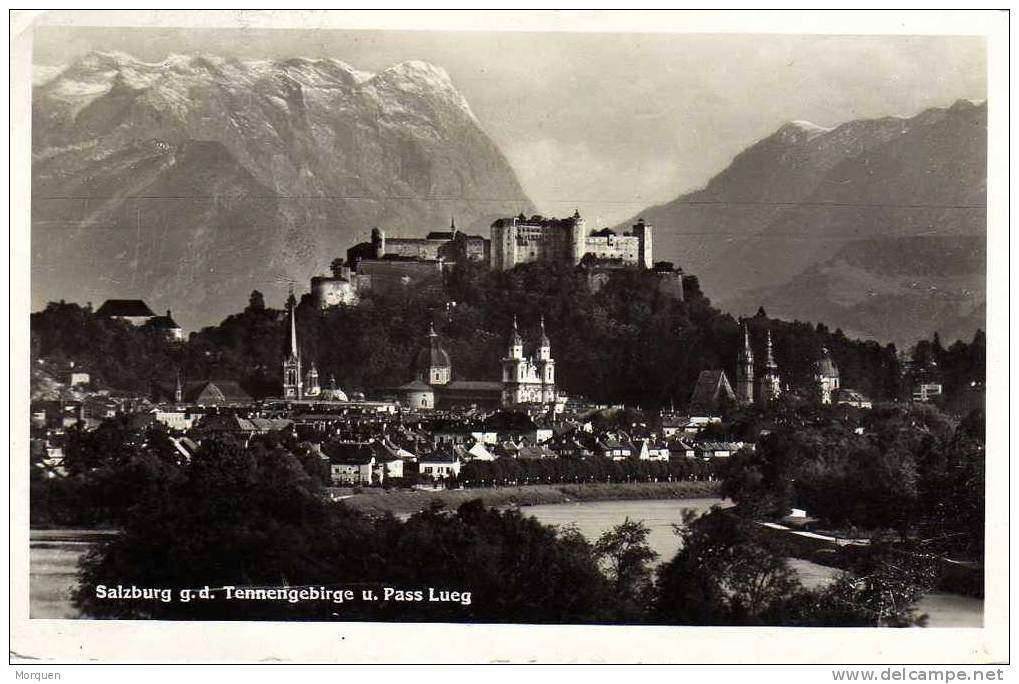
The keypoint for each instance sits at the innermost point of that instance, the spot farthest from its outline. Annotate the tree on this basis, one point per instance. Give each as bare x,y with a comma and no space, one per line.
336,266
881,590
624,549
256,301
723,575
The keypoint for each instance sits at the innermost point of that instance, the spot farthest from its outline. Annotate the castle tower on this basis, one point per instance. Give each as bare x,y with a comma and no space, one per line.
645,255
432,365
311,386
504,244
378,243
769,385
292,356
745,369
578,238
826,377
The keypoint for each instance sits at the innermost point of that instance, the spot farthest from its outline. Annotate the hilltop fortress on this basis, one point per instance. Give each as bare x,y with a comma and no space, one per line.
521,240
393,264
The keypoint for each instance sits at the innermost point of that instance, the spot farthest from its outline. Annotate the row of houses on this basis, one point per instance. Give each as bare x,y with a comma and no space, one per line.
374,462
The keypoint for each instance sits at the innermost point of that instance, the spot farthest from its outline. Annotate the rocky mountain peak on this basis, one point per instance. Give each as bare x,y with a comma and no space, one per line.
202,177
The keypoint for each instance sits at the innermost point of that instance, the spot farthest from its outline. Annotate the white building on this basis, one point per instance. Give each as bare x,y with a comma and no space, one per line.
528,380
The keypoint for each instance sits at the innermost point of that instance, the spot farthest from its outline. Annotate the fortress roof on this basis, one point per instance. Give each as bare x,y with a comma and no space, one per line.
163,322
537,220
124,307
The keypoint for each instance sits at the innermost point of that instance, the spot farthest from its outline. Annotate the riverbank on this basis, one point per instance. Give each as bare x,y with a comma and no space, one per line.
401,502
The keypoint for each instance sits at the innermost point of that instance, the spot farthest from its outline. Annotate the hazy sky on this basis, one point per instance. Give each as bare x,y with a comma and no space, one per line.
611,123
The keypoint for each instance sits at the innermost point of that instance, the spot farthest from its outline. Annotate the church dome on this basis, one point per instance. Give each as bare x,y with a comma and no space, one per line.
432,355
825,366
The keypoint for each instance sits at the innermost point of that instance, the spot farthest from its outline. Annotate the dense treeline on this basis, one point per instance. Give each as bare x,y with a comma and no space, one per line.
116,353
254,516
912,472
508,471
627,343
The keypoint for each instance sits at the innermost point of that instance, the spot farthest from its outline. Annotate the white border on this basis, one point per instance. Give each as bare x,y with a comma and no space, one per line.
115,641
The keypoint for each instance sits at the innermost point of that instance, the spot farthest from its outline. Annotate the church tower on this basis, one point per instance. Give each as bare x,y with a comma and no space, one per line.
745,368
769,385
546,366
432,366
826,377
311,385
514,369
292,357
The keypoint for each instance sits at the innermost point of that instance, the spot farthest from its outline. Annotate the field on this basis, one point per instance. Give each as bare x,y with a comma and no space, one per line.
404,502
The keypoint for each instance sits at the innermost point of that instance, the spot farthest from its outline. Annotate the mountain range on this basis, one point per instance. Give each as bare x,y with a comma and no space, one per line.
190,182
877,226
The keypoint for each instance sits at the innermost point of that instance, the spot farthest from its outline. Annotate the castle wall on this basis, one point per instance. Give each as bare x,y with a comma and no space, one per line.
625,247
671,284
417,248
327,292
394,276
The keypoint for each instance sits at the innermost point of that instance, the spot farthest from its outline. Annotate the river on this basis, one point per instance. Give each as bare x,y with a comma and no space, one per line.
54,555
594,517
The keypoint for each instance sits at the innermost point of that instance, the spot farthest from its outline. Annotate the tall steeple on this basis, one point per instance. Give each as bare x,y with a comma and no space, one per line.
745,368
178,392
769,361
292,348
769,386
292,381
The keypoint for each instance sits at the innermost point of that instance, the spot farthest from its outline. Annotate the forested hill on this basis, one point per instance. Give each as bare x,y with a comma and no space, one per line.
627,343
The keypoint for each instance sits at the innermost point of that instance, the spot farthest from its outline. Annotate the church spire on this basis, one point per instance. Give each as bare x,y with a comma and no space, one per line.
292,380
292,350
769,359
745,368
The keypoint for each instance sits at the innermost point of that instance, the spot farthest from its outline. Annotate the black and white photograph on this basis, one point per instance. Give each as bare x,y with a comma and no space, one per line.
613,320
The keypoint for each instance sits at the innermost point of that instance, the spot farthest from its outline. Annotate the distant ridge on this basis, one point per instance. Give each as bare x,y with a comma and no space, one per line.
191,181
792,201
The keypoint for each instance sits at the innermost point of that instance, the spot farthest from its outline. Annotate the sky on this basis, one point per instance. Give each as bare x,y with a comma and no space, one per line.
612,122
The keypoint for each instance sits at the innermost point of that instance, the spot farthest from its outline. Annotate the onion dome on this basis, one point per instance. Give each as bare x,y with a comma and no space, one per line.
515,338
543,340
